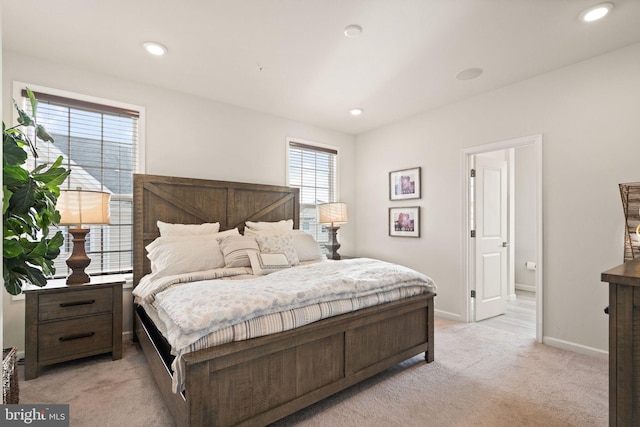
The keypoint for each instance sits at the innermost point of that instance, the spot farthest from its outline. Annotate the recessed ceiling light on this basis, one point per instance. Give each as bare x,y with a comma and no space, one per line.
356,111
352,30
596,12
155,48
469,73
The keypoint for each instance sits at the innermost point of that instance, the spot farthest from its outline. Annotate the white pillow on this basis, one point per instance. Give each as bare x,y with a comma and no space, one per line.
278,243
235,250
167,229
176,256
283,226
171,238
262,263
306,247
251,232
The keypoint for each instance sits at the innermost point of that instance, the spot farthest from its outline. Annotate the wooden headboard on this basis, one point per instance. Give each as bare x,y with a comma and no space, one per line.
195,201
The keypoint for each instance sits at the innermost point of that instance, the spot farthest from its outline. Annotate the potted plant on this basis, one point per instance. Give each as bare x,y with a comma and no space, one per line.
29,206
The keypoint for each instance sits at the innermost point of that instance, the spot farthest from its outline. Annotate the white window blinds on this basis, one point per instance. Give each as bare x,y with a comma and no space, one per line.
313,170
99,144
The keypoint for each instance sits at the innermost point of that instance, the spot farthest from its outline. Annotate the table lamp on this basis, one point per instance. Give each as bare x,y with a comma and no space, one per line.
333,213
79,207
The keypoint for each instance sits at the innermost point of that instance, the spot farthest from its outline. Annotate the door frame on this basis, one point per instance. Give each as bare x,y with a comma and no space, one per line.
467,153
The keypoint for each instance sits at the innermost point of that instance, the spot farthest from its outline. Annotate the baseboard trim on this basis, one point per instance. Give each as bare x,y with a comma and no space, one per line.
576,348
528,288
447,315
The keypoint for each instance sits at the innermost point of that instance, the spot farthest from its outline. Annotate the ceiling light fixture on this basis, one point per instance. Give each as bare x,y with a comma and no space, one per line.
356,111
352,31
469,74
596,12
154,48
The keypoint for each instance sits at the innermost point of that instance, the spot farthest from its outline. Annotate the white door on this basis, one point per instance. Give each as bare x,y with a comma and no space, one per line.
491,254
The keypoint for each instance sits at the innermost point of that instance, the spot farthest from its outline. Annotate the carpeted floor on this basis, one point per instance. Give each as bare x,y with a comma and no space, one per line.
481,377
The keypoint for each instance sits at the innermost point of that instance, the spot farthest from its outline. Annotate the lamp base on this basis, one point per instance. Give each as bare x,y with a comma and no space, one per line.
78,260
333,244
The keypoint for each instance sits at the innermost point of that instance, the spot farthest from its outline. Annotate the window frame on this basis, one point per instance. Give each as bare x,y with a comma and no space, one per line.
18,87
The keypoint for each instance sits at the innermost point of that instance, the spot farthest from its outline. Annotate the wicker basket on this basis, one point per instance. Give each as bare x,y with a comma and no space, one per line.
10,392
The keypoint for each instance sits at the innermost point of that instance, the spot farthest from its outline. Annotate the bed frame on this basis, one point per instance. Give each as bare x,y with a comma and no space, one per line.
259,381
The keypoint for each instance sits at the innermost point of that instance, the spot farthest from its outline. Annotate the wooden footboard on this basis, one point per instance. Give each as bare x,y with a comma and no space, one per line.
259,381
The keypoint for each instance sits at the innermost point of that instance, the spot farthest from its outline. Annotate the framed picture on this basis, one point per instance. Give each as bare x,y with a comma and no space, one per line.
404,222
404,184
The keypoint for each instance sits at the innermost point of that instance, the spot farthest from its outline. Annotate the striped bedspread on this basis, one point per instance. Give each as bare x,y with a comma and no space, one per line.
196,312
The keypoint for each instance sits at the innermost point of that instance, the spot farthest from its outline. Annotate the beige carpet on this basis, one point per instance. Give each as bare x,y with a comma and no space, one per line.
481,377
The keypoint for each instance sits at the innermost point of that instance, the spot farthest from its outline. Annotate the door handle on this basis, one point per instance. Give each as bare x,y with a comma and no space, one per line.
505,244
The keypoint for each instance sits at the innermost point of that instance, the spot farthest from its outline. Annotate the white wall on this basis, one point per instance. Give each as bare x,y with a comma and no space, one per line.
186,136
525,218
588,115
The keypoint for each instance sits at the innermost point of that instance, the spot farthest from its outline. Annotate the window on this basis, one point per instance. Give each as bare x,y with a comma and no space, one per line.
99,143
313,168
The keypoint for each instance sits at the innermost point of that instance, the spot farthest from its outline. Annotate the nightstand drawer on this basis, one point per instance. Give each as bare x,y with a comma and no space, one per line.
89,335
64,305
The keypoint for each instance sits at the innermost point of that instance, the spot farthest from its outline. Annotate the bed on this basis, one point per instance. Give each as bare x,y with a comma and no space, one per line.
258,381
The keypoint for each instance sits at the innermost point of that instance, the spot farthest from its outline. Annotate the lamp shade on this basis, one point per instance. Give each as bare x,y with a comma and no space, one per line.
332,213
79,207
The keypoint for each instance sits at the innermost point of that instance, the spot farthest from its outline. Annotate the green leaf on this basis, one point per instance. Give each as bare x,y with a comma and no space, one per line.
12,153
52,176
18,224
11,248
6,196
23,197
33,100
55,243
23,118
13,285
39,168
14,176
35,276
58,162
14,226
38,251
42,133
48,268
21,139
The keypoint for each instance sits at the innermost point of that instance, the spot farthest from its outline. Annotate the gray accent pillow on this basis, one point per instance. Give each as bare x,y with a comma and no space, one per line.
235,250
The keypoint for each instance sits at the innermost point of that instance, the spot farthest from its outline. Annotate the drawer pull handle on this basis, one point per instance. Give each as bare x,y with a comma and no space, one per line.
71,304
77,336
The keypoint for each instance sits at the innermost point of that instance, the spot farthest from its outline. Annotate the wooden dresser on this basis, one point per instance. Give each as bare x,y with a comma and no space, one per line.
69,322
624,343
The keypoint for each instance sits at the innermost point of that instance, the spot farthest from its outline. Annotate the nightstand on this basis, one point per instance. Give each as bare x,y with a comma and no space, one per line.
66,322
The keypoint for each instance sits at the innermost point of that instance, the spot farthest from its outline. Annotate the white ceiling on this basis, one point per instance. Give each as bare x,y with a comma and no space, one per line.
404,62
